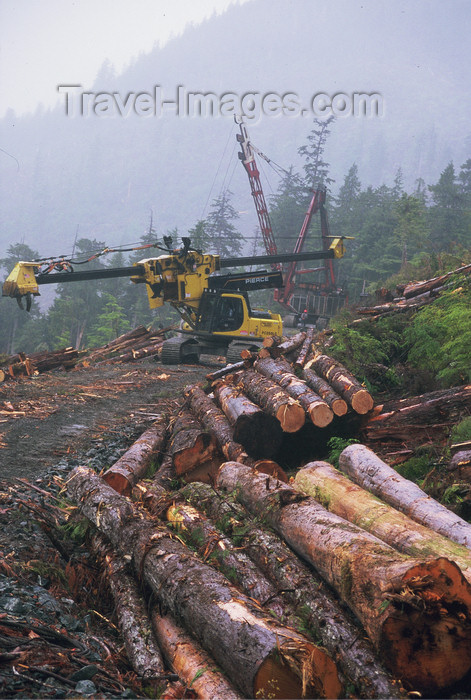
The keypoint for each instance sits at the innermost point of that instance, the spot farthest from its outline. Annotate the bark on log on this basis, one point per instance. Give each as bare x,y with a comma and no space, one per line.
305,348
136,461
187,658
216,422
236,566
416,613
259,433
147,351
280,372
165,473
344,383
325,391
142,649
340,496
273,399
190,445
460,463
259,655
370,472
304,588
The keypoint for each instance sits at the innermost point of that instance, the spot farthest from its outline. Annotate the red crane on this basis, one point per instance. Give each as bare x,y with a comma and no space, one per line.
285,295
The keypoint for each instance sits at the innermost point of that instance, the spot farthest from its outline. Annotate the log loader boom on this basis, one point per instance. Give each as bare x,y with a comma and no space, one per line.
215,307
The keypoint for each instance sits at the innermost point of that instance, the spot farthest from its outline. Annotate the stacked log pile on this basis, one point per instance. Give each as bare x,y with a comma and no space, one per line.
134,345
383,586
129,347
412,296
35,363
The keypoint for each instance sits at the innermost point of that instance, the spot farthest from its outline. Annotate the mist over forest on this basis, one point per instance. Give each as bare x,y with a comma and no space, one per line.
103,175
400,182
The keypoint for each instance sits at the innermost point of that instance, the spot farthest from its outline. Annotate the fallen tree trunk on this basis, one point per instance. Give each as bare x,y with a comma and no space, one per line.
236,566
259,655
189,660
416,613
259,433
415,288
216,422
303,587
280,372
273,399
136,461
418,416
370,472
340,496
146,351
325,391
344,383
460,463
141,648
190,445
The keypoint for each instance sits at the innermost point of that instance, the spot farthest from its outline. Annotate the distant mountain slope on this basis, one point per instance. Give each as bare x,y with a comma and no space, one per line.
105,174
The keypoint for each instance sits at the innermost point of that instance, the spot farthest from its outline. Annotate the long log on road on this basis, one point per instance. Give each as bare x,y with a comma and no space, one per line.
369,471
344,383
136,461
303,587
416,613
259,433
260,656
339,495
142,650
189,660
280,372
325,391
273,399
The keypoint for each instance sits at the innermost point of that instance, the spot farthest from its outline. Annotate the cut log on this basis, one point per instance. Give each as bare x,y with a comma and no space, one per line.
287,346
344,383
189,660
165,474
273,399
147,351
305,348
325,391
190,445
140,457
229,369
416,613
272,341
141,648
216,422
3,376
340,496
369,471
304,588
280,372
259,655
259,433
236,566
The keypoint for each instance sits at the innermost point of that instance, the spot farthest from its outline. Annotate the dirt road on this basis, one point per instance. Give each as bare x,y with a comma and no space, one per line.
56,413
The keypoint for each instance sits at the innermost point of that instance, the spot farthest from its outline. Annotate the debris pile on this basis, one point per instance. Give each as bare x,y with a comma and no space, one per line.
410,296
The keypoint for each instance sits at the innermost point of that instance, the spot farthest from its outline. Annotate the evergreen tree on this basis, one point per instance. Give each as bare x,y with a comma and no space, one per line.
223,237
411,228
199,236
287,209
448,219
316,169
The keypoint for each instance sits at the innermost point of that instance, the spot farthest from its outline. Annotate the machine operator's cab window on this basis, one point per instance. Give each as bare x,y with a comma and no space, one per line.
229,314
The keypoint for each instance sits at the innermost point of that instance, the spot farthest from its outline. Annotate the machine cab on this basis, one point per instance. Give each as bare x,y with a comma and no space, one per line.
230,314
